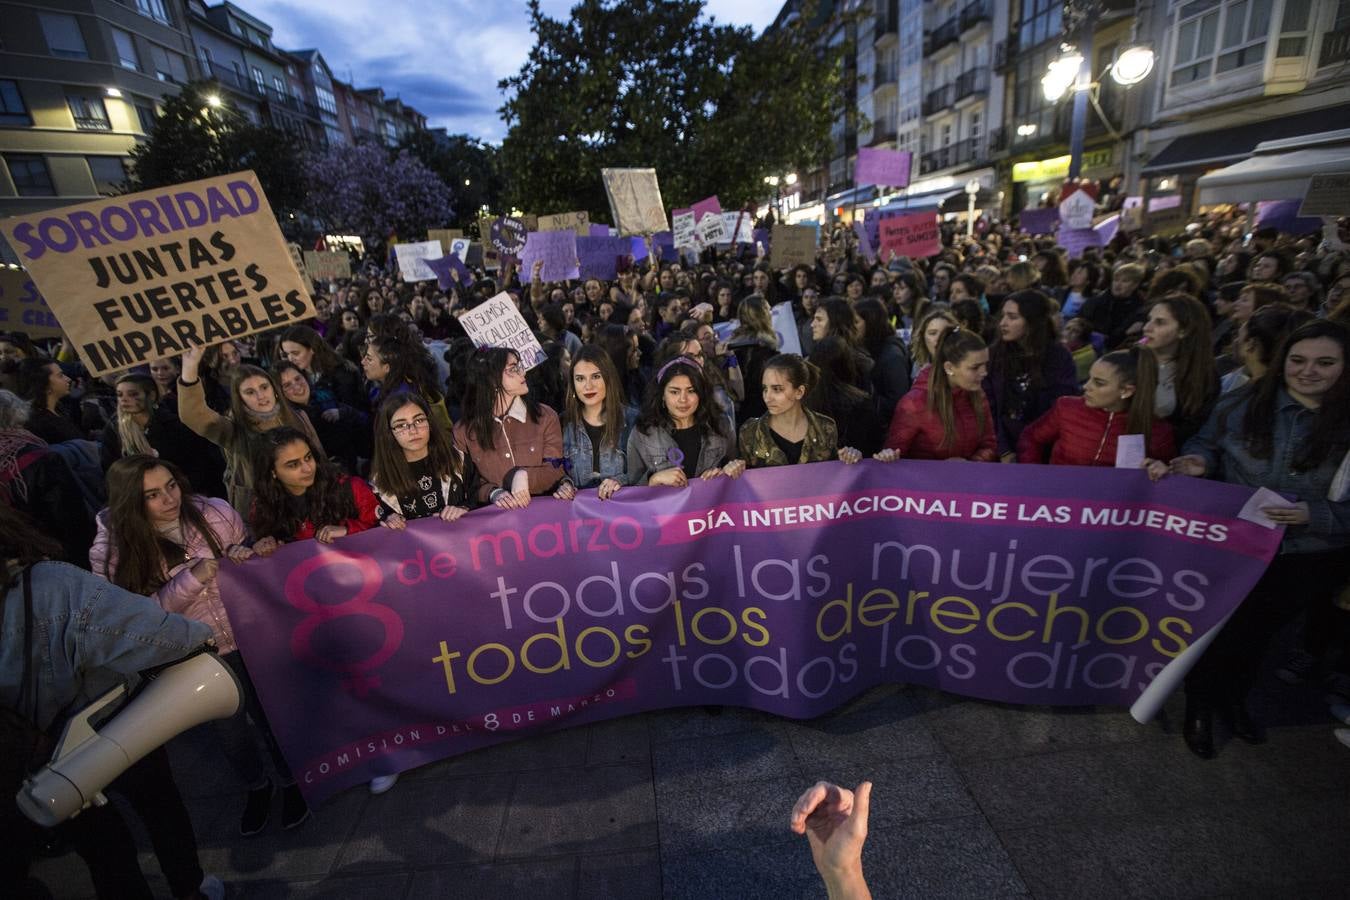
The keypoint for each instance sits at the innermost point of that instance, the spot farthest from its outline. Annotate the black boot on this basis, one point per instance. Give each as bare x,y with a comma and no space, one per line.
1199,729
257,809
1244,726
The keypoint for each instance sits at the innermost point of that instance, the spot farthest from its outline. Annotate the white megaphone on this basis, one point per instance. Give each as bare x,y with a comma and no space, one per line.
86,760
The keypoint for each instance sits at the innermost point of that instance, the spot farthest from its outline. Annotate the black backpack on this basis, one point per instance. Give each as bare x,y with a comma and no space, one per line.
24,747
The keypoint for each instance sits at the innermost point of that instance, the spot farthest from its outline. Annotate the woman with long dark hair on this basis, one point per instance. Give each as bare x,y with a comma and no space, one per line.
680,435
1029,369
332,379
417,471
513,440
43,384
596,423
788,433
891,378
257,406
1117,400
299,495
946,415
160,539
1177,331
397,365
1287,432
836,395
835,317
346,437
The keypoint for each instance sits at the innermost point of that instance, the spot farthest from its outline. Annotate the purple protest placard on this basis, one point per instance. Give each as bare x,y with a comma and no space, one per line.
882,167
1038,220
1076,240
865,246
444,266
1283,215
557,250
600,255
710,206
1107,228
599,230
783,591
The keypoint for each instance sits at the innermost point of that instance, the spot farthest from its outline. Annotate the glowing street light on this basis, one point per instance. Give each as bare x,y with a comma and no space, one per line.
1062,74
1132,65
213,101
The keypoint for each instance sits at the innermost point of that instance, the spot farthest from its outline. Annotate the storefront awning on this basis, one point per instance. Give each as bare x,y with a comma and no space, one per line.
1229,145
1277,171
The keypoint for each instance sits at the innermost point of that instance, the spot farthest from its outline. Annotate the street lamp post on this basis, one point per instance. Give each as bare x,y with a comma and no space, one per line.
972,188
776,183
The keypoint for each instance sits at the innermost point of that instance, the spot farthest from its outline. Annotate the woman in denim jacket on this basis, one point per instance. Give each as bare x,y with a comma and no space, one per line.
1287,432
596,423
679,435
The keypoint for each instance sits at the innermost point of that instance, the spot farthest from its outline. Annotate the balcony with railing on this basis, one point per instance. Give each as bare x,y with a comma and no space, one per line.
886,74
883,131
976,12
998,140
92,123
1335,47
935,101
969,150
949,32
238,83
972,82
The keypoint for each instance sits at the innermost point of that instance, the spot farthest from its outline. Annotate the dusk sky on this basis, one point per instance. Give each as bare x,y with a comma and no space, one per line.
444,57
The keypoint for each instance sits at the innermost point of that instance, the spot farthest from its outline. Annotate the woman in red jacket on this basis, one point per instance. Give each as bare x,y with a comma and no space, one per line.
1117,400
946,416
299,495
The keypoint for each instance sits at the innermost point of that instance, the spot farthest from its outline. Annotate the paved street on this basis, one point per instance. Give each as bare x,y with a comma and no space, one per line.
972,799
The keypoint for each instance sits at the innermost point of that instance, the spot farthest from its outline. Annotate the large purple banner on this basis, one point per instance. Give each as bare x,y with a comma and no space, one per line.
789,590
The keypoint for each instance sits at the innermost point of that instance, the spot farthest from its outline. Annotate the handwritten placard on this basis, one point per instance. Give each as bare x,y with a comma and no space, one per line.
793,245
882,167
1076,240
682,227
912,235
22,307
578,222
635,200
498,323
142,276
739,226
1076,210
1327,195
412,259
325,265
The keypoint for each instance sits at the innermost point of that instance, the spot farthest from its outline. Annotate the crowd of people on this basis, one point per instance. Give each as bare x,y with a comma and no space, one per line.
1225,351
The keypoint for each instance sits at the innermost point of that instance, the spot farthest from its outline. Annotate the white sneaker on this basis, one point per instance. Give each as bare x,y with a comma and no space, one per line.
381,783
213,888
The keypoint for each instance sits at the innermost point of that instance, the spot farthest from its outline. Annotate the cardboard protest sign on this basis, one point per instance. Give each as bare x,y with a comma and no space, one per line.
412,259
323,265
793,245
1076,210
912,235
599,256
579,222
1327,195
1076,240
558,252
635,200
297,257
22,307
1038,220
507,235
148,275
1166,215
882,167
682,227
498,323
444,235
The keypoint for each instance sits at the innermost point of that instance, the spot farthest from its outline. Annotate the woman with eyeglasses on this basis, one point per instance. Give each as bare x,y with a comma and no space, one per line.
417,473
514,441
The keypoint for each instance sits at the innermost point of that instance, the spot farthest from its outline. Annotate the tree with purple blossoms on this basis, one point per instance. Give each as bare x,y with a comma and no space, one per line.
367,191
